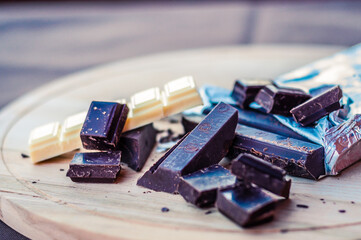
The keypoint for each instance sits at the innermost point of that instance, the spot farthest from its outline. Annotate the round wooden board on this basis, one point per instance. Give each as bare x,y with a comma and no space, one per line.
41,203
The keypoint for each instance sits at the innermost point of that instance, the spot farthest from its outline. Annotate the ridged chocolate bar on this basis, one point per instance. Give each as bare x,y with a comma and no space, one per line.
262,173
136,146
206,145
298,158
96,167
318,106
280,100
103,125
200,188
245,90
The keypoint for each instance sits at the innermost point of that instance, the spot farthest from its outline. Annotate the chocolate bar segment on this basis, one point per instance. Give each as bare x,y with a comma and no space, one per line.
298,158
280,100
246,205
318,106
245,90
96,167
103,125
262,173
206,145
200,188
136,146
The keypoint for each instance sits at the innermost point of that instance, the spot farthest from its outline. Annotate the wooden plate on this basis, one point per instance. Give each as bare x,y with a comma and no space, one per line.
40,202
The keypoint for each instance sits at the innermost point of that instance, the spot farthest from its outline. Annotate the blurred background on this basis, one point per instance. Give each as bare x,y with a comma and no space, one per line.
41,41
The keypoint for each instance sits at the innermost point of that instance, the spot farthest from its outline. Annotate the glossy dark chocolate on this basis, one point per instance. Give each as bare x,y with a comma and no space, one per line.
97,167
280,100
103,125
298,158
245,90
246,205
200,188
262,173
206,145
318,106
136,146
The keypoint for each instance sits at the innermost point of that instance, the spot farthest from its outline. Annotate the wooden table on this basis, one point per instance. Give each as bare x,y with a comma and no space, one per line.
40,202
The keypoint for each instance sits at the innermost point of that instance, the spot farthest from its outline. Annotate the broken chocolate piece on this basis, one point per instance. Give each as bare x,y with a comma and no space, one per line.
245,90
298,158
246,205
95,167
103,125
262,173
318,106
200,188
280,100
206,145
136,146
190,122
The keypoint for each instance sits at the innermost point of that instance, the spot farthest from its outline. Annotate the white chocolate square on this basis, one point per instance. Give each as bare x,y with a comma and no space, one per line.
44,142
70,132
179,95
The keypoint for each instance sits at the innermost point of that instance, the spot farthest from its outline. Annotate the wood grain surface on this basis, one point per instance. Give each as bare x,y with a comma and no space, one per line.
41,203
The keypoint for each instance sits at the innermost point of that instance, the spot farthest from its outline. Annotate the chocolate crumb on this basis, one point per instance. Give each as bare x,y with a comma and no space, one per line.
301,206
172,120
33,182
128,191
342,211
170,132
165,209
23,155
208,212
61,169
352,202
322,199
284,230
176,193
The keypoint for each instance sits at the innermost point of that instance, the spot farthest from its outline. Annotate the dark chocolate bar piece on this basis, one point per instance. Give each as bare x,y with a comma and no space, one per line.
246,205
298,158
136,146
318,106
280,100
206,145
262,173
343,145
200,188
103,125
96,167
250,118
245,90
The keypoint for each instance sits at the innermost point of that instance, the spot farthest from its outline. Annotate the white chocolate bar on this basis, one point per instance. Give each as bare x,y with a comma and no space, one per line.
70,132
145,107
44,142
180,94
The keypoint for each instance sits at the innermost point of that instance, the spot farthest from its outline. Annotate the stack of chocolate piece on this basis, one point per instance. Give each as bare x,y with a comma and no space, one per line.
102,131
191,168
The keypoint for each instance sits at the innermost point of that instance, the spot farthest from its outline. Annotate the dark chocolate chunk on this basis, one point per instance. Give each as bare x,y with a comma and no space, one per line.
165,209
103,125
23,155
136,146
342,211
298,158
250,118
206,145
97,167
318,106
200,188
246,205
280,100
245,90
262,173
302,206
